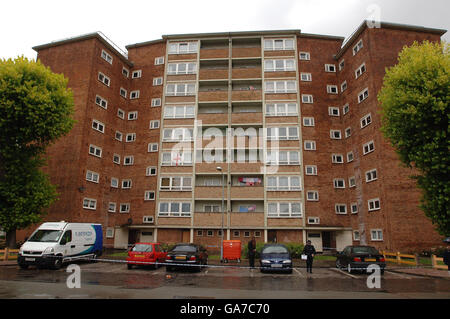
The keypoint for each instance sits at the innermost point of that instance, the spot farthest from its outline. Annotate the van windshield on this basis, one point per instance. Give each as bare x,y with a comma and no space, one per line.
46,236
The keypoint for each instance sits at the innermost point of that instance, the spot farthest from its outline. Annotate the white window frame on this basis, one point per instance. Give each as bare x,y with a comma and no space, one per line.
114,182
130,137
288,187
344,86
350,157
104,79
351,182
159,60
97,151
376,235
360,70
330,68
154,124
366,120
134,94
174,213
124,208
93,177
305,77
172,187
315,196
345,109
276,133
106,56
311,170
132,116
98,126
357,47
280,86
118,136
121,114
112,207
128,160
274,158
187,134
308,121
335,134
341,65
371,175
356,235
348,132
373,204
311,143
354,208
285,46
176,47
89,203
332,89
371,147
156,102
363,95
339,183
304,56
189,68
174,114
281,109
157,81
149,195
313,220
338,207
127,183
335,157
114,158
123,93
270,65
333,111
125,72
177,159
189,89
307,98
149,169
101,102
152,147
289,214
136,74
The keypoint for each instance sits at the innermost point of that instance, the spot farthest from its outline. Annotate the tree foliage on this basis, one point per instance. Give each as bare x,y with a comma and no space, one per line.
36,108
416,115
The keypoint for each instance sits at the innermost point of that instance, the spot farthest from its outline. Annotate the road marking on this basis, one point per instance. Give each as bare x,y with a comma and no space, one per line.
345,273
298,272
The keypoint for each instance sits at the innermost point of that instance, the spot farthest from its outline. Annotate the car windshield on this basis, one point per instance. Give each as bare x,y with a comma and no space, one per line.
275,250
142,248
184,248
46,236
365,250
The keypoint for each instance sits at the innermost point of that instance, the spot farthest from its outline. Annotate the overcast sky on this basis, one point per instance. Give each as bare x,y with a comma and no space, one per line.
27,23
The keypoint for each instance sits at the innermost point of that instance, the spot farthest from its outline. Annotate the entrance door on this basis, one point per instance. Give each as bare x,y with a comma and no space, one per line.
132,236
186,236
272,236
326,240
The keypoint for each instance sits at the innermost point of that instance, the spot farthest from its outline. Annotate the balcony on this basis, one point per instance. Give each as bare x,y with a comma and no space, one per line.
247,117
246,48
249,93
214,49
246,69
212,118
247,192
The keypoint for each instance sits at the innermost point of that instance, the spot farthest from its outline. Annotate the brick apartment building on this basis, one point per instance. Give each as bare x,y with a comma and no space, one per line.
289,121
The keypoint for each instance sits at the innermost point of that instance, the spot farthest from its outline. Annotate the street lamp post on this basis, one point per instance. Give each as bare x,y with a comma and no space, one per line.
223,199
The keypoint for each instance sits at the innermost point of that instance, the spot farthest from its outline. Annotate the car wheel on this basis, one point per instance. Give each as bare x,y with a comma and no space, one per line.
57,263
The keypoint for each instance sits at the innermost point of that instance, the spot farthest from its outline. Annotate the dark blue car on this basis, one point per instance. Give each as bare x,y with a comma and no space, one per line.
275,257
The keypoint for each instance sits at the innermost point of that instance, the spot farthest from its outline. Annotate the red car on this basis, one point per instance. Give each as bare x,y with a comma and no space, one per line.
146,254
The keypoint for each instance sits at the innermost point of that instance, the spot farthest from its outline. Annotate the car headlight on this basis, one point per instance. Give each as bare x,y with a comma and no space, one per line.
287,261
265,261
49,250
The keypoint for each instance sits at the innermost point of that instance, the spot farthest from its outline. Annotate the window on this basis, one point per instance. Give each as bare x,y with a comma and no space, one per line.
282,133
280,87
284,209
341,65
118,136
89,203
313,220
95,150
176,159
356,236
181,68
335,134
136,74
283,183
176,112
178,183
126,183
354,208
107,57
150,171
332,89
310,145
343,86
125,72
124,207
368,147
333,111
101,102
279,65
339,183
304,56
211,208
174,209
112,207
183,47
92,176
357,47
312,196
337,158
130,137
114,182
345,109
199,233
366,120
278,44
154,124
376,234
371,175
148,220
116,159
352,181
281,109
306,77
340,208
123,93
236,233
159,60
132,115
104,79
121,113
350,157
128,160
307,98
152,147
181,89
364,94
311,170
359,71
98,126
282,158
330,68
178,134
373,204
134,94
149,195
157,81
308,121
348,132
156,102
210,233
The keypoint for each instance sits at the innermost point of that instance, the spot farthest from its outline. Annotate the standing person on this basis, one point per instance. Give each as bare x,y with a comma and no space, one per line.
309,251
446,256
252,252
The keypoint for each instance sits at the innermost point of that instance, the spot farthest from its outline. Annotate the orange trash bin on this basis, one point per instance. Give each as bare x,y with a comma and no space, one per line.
231,250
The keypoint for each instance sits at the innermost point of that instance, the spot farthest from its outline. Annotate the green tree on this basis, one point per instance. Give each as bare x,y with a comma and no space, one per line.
36,108
415,116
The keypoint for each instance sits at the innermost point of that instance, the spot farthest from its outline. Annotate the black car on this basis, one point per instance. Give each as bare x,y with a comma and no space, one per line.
275,257
190,256
358,258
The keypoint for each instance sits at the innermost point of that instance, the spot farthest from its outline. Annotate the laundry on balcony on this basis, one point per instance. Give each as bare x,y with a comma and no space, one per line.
250,181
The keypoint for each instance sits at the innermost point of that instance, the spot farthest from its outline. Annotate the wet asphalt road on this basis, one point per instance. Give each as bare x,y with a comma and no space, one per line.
113,280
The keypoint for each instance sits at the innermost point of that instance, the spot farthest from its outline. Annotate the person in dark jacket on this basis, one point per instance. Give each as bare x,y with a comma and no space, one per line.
309,251
446,256
252,252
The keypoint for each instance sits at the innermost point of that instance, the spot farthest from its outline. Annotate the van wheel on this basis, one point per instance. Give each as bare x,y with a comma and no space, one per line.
57,264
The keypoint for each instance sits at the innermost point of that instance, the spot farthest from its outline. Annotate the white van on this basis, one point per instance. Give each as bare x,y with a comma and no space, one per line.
53,244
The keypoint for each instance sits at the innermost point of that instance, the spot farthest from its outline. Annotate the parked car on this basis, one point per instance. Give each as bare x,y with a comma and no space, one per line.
186,256
275,257
146,254
358,258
